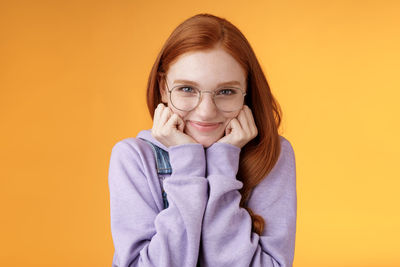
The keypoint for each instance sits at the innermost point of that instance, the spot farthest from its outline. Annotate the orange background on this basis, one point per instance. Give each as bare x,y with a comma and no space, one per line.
72,83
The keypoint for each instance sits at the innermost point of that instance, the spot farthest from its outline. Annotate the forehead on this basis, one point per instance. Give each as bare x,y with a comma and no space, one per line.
207,68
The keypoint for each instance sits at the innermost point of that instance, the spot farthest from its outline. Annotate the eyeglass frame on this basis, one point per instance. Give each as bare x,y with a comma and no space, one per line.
200,96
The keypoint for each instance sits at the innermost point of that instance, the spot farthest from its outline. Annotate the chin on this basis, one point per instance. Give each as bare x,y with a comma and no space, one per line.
206,145
206,139
206,142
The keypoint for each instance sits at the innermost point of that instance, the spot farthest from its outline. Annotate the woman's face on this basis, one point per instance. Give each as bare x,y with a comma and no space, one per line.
205,70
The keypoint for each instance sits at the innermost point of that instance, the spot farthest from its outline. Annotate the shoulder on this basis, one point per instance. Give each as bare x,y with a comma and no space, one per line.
280,181
286,146
130,144
286,158
130,149
284,169
132,161
132,171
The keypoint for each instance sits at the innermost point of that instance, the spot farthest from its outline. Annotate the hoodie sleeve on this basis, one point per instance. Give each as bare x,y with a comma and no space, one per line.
227,237
142,235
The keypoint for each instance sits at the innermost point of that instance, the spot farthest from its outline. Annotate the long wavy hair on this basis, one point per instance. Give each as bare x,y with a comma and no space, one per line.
203,32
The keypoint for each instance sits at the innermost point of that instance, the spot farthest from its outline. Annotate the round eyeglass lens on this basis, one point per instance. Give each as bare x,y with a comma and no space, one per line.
185,98
226,99
229,99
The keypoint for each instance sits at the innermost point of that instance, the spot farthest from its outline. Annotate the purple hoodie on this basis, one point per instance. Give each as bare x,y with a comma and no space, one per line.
203,223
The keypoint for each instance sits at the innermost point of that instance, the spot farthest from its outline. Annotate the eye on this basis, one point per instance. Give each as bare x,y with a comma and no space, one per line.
186,89
226,91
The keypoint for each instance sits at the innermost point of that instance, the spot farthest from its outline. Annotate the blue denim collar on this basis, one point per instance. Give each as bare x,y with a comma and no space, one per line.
162,158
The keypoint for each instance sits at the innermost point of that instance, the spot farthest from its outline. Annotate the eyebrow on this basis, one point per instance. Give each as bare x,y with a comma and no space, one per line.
218,85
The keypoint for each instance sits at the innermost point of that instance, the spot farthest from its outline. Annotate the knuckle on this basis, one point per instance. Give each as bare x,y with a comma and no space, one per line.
154,134
164,132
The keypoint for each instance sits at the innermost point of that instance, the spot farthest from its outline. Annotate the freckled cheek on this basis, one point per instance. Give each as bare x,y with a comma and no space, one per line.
181,114
228,118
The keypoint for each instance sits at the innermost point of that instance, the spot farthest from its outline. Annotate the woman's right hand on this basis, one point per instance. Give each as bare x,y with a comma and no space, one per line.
168,127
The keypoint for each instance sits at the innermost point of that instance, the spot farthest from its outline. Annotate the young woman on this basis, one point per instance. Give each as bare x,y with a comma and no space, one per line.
212,183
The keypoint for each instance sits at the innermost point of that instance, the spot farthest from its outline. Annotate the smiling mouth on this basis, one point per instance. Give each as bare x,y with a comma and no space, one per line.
203,126
205,123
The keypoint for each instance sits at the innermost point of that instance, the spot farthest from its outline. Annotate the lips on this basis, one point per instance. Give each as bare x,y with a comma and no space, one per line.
205,126
205,123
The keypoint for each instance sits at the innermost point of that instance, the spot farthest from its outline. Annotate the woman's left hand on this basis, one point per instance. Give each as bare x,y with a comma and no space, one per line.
240,130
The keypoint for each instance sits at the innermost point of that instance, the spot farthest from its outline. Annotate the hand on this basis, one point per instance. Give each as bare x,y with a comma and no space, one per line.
240,130
168,127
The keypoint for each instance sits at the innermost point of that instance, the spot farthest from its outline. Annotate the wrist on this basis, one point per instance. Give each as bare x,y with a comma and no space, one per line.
223,158
187,159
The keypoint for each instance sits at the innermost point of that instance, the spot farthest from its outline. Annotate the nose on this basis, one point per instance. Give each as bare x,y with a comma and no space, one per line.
206,109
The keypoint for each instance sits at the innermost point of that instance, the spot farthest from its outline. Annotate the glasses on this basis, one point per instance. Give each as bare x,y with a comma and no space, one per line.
187,98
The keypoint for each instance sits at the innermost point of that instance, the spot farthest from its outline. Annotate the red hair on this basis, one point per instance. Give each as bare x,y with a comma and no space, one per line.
205,31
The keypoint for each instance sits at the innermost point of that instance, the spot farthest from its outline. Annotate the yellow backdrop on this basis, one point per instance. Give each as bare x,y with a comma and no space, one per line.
72,82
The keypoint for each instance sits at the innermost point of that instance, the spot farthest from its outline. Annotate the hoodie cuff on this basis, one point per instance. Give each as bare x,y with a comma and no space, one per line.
222,159
188,159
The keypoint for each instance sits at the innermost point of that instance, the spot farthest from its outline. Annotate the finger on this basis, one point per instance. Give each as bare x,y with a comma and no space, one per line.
251,123
156,119
183,125
235,126
228,128
241,117
157,112
236,132
175,122
165,115
249,114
